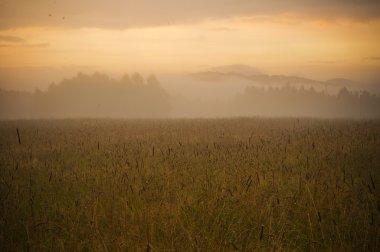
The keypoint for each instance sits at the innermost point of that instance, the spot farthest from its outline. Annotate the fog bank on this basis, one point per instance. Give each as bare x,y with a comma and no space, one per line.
133,96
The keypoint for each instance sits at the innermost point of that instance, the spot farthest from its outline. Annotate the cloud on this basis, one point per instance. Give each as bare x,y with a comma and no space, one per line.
26,45
375,58
121,14
14,41
322,62
223,29
39,45
11,39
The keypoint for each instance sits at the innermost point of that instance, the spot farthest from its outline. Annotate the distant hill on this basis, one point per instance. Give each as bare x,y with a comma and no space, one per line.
341,82
237,69
258,77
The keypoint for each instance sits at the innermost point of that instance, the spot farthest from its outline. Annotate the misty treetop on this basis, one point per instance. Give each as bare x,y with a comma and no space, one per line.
95,95
291,101
99,95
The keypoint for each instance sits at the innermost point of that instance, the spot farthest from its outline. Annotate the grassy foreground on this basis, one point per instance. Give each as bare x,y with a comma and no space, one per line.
190,185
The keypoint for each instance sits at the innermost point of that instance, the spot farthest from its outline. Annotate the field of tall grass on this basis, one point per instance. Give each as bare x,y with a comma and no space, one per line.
190,185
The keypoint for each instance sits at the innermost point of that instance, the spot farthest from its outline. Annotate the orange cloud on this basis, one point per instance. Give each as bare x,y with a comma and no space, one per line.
121,14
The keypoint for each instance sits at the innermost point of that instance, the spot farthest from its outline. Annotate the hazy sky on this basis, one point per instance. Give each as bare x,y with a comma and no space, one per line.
319,39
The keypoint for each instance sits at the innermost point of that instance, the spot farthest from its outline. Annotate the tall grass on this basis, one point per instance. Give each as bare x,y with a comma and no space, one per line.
190,185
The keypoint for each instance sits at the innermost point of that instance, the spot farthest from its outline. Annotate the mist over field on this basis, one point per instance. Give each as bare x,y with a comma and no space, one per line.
98,95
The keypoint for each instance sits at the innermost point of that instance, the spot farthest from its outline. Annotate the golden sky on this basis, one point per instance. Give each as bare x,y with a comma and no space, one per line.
318,39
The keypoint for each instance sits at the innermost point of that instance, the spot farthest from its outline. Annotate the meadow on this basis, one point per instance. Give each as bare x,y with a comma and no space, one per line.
243,184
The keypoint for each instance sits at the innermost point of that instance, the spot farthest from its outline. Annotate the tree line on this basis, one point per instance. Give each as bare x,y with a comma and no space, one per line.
98,95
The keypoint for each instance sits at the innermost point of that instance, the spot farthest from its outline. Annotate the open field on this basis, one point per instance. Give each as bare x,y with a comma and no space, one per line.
190,185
